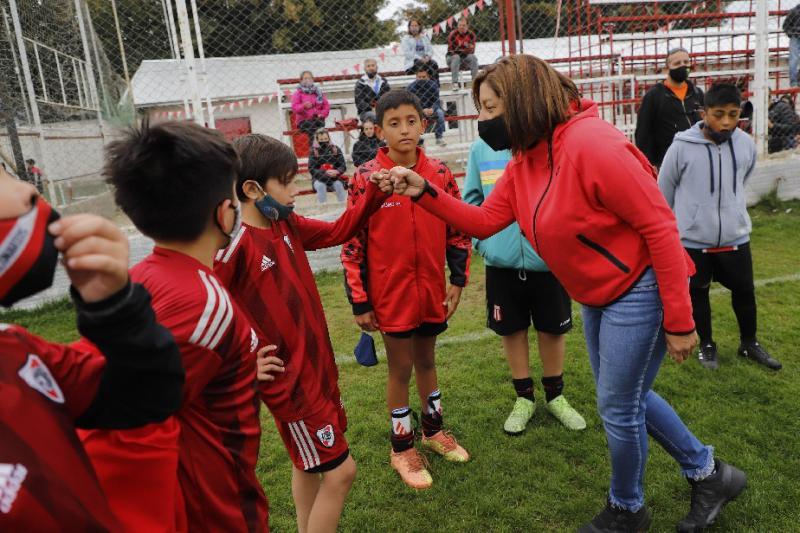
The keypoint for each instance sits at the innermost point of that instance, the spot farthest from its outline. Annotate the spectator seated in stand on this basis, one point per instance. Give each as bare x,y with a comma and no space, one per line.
369,88
784,125
461,50
310,106
366,148
427,90
326,165
418,51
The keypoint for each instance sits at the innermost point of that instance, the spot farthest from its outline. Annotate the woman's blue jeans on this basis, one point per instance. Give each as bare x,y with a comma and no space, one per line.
626,345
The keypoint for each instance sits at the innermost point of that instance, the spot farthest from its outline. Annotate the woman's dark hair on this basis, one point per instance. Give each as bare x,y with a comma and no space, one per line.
419,24
306,72
169,178
263,158
536,97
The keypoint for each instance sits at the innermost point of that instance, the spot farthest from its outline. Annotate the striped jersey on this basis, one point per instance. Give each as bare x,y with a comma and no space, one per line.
268,273
219,419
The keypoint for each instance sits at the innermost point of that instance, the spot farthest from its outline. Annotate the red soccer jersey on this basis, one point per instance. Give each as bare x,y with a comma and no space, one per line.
267,271
219,419
45,476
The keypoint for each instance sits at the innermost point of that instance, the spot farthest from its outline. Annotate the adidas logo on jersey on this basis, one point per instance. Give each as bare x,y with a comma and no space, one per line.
266,263
11,478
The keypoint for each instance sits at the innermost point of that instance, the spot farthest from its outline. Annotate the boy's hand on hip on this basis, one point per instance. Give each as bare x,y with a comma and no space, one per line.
407,182
95,255
680,347
452,299
367,321
268,365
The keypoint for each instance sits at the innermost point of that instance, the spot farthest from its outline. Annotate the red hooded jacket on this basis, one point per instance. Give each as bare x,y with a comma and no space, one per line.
396,265
595,216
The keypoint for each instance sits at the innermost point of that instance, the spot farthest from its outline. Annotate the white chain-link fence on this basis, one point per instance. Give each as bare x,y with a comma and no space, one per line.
72,72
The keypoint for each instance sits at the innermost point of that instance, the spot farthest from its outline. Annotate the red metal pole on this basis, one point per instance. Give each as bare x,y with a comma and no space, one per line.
502,23
511,30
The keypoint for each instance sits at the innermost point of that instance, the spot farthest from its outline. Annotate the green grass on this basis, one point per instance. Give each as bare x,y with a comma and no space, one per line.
550,479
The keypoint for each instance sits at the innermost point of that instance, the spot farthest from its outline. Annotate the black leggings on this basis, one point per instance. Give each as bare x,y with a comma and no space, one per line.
733,270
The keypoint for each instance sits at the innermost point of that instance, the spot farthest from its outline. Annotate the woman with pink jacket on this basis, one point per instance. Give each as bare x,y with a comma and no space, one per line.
310,106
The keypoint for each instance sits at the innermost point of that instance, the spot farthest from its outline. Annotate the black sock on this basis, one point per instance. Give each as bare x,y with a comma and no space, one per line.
431,424
553,386
524,388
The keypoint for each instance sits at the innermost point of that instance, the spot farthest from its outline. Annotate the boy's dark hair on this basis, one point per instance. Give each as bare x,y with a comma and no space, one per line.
394,99
169,178
721,94
263,158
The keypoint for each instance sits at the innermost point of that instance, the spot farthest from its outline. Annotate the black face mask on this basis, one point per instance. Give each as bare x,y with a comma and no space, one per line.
494,133
371,75
41,262
324,144
680,74
718,137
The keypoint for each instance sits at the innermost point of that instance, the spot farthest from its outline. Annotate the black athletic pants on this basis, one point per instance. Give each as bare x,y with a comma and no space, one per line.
734,271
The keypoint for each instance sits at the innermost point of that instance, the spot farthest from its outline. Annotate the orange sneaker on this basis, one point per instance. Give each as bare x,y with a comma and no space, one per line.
445,444
413,468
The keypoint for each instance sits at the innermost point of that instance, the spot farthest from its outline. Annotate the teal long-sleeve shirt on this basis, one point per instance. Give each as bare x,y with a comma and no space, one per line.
509,248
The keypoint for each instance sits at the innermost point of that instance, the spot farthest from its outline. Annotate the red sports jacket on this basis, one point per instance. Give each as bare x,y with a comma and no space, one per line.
396,265
595,216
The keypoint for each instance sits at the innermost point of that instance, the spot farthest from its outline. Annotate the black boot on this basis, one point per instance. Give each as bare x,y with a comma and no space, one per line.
710,495
753,350
708,355
615,520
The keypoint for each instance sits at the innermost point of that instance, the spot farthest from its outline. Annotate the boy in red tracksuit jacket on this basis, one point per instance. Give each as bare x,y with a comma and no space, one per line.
176,182
267,271
394,278
47,390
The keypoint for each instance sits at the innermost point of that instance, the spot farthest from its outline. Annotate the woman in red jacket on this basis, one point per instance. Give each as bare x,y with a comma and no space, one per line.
587,200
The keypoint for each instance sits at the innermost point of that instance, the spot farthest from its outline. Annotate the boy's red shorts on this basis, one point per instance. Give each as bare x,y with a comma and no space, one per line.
317,443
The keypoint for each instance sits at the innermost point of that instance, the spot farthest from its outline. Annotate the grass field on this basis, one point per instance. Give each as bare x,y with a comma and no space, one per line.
550,479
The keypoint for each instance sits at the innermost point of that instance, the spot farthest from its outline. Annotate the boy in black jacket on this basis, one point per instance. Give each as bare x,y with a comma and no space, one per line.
326,165
668,107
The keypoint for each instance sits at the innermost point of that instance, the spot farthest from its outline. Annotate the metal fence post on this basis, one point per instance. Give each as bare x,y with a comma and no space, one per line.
761,79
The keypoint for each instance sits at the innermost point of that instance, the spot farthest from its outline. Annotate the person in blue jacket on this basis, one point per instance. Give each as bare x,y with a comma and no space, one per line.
520,291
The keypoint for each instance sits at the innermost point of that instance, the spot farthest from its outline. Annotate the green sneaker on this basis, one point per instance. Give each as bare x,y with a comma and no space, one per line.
519,417
560,408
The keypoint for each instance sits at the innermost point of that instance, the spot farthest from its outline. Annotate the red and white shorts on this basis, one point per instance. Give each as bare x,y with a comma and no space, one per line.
317,443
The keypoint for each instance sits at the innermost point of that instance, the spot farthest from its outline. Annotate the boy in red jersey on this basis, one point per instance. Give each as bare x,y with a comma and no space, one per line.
267,271
394,277
48,390
176,182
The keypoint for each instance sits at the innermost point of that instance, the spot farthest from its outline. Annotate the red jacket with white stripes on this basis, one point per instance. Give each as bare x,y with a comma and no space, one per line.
395,266
218,442
267,272
595,215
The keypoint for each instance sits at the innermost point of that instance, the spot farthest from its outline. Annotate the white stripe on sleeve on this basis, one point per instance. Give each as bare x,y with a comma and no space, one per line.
211,302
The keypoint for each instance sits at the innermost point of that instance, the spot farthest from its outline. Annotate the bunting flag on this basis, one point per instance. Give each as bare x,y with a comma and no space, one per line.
443,25
357,67
436,29
261,99
382,55
465,13
394,49
471,9
449,21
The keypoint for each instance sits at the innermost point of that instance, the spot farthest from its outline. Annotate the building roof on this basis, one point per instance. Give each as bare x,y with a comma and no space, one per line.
160,82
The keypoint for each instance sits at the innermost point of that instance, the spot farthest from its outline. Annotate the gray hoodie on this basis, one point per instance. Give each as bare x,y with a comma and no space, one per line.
704,185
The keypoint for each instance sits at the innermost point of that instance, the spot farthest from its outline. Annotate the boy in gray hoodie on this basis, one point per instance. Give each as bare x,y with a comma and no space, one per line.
703,177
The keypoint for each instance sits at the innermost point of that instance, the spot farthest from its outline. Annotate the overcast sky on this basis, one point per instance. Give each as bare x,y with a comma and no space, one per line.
392,7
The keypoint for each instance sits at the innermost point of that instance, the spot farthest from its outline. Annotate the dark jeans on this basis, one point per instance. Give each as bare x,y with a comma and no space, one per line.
310,126
734,271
